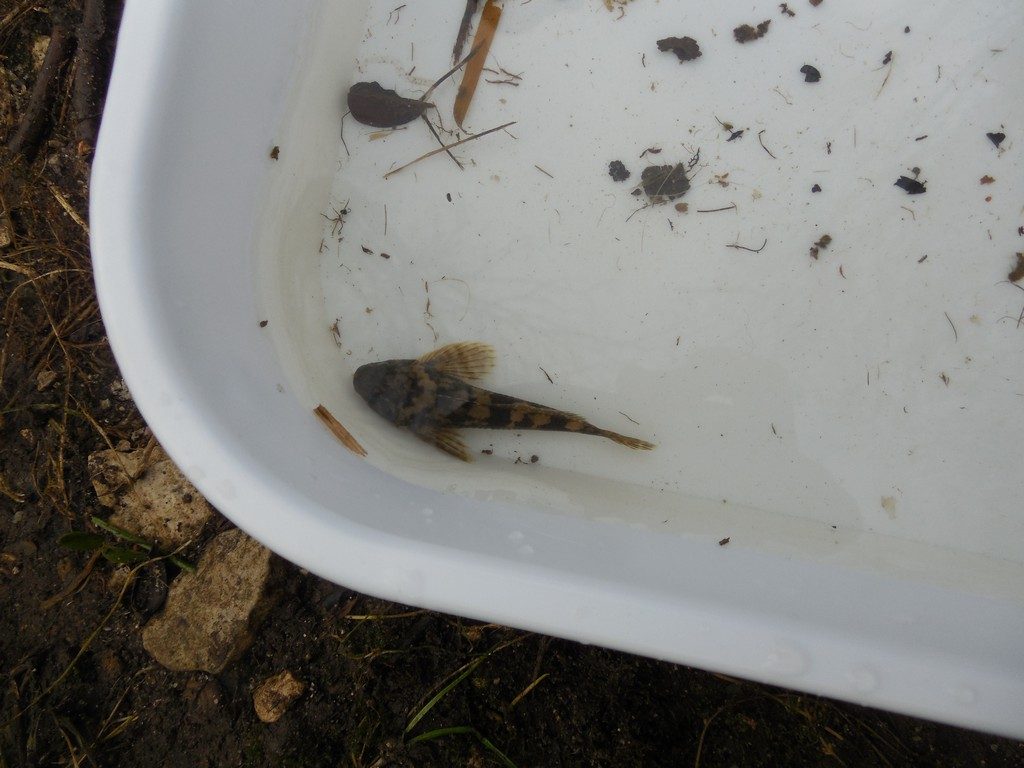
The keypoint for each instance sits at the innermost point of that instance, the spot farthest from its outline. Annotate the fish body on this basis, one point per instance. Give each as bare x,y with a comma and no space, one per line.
433,397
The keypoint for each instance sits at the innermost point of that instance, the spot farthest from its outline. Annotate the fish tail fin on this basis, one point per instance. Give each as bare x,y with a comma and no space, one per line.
630,442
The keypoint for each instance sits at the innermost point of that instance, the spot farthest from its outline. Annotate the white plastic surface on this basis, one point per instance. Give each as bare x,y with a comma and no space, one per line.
916,604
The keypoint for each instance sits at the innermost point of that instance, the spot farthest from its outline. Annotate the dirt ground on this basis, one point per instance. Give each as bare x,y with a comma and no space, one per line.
77,687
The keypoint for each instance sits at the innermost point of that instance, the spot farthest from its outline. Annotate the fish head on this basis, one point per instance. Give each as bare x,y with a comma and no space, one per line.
383,386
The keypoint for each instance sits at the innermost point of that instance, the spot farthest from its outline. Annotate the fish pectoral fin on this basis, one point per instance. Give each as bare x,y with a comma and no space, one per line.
467,360
448,440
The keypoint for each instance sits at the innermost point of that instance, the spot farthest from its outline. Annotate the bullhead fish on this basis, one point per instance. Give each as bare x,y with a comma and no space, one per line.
433,398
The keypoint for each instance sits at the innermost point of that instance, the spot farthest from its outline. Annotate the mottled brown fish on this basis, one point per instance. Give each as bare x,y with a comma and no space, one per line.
432,397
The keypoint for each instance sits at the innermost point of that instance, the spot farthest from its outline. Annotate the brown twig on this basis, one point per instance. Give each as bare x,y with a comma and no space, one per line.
956,336
761,142
467,18
339,431
441,142
886,80
30,131
629,417
489,18
543,171
15,12
451,72
716,210
446,148
739,247
90,73
341,135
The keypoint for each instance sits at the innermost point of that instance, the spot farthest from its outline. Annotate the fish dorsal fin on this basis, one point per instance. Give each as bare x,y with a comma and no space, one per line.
469,360
448,440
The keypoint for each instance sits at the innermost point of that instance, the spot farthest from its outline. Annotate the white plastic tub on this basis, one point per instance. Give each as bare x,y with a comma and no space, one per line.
876,534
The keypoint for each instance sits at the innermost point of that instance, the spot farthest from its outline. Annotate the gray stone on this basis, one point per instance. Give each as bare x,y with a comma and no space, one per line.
211,615
149,495
275,695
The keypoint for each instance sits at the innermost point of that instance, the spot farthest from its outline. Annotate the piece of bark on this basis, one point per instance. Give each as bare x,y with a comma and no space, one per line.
90,73
29,134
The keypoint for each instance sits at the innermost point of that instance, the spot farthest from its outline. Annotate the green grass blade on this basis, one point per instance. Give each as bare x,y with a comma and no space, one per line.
438,733
185,565
490,746
466,672
121,533
463,672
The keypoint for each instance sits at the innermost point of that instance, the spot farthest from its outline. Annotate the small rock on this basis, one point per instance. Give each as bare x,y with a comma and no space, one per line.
275,695
211,614
39,50
44,379
119,390
149,495
6,230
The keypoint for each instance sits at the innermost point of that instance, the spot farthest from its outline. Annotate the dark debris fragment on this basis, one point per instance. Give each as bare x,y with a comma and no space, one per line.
823,242
816,188
786,10
887,58
664,183
811,74
1017,273
736,135
373,104
745,33
996,138
911,186
618,171
685,48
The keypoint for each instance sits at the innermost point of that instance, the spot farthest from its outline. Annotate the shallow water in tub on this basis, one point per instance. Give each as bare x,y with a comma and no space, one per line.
876,388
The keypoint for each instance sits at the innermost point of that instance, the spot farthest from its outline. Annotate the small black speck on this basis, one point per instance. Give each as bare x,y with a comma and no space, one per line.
726,540
887,58
534,459
187,498
367,250
385,255
449,196
275,153
811,74
487,451
906,31
736,134
996,138
816,188
263,323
